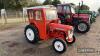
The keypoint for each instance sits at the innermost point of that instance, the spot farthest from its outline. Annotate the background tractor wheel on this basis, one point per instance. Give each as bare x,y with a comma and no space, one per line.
31,34
82,27
59,45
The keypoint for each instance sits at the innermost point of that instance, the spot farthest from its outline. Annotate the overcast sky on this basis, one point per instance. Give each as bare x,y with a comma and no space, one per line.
93,4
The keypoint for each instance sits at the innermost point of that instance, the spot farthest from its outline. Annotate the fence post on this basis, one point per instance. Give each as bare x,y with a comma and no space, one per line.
4,16
25,14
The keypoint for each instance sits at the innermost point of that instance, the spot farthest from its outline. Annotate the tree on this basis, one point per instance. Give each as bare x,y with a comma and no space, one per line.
55,2
34,3
17,4
12,4
1,5
47,2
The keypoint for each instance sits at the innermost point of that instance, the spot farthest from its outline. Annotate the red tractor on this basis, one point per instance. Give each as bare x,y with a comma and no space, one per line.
67,15
44,24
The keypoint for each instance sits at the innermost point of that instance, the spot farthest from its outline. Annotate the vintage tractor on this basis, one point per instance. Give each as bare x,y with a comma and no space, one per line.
44,24
67,15
83,9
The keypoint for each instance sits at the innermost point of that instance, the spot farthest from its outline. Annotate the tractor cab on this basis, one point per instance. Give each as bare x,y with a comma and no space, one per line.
65,13
41,17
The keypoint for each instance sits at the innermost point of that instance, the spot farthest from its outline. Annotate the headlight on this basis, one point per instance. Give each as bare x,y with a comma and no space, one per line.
70,33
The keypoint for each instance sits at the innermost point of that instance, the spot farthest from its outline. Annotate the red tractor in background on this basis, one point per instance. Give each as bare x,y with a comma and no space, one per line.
67,15
44,24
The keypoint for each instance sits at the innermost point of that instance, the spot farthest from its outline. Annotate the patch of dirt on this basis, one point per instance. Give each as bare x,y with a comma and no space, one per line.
5,42
13,44
28,51
9,26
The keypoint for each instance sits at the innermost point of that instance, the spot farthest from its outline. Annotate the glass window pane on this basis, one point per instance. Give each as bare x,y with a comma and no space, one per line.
38,15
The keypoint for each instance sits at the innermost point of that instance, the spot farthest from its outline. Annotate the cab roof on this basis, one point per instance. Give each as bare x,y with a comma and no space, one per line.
43,7
65,4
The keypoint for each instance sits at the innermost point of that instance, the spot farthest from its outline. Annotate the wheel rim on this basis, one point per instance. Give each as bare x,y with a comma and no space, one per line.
59,46
82,27
30,34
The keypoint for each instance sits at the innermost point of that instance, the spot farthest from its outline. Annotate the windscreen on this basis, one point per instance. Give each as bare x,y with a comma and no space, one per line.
67,9
51,14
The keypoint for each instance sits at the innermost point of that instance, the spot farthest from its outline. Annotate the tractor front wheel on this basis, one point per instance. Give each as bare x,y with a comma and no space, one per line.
59,45
82,27
31,34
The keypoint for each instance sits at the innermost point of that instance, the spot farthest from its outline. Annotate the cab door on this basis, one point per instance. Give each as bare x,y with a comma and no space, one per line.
39,22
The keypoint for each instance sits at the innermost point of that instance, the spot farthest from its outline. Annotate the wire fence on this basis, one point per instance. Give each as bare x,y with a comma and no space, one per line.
13,16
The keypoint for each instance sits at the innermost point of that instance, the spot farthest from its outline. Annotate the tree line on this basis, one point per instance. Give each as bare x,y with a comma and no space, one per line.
19,4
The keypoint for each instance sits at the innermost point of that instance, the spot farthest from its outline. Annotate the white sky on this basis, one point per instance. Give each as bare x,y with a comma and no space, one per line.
93,4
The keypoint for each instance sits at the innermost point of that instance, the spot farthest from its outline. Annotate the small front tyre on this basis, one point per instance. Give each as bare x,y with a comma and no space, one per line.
59,45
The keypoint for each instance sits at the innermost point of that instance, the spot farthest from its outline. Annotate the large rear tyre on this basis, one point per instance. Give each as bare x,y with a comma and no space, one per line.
82,27
31,34
59,45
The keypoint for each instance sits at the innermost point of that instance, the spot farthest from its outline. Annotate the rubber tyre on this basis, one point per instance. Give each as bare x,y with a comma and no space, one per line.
63,43
36,35
88,27
74,39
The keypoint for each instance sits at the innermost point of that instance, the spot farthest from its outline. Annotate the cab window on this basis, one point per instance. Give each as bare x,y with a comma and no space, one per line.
66,9
38,15
31,14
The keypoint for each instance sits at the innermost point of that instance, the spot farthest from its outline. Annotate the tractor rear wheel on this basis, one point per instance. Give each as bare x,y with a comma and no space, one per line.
82,27
59,45
31,34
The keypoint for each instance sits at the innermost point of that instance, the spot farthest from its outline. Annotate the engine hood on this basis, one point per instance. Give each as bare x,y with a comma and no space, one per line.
62,27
